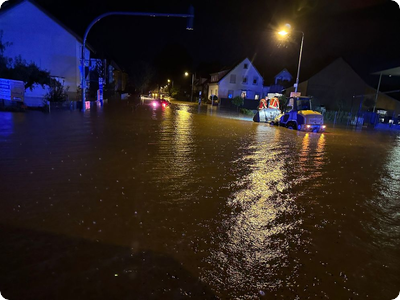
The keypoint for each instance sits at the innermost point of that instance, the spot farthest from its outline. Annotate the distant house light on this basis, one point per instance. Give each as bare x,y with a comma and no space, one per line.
230,94
381,112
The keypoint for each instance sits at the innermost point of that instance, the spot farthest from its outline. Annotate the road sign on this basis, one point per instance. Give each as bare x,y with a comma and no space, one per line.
100,90
12,90
5,89
295,94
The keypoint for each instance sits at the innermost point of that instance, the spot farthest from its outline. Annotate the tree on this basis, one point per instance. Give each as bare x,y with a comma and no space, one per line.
143,75
5,62
29,73
237,101
283,101
19,69
174,91
57,92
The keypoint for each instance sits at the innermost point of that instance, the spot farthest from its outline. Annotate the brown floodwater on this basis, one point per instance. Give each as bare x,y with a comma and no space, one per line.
125,202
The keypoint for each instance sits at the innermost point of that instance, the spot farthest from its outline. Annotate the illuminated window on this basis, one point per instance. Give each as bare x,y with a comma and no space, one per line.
230,94
257,96
233,78
243,95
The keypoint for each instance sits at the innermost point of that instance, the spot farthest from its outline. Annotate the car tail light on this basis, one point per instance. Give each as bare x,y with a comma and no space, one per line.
163,105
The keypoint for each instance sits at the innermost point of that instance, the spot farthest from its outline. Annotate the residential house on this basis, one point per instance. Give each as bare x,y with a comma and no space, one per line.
40,38
242,80
282,81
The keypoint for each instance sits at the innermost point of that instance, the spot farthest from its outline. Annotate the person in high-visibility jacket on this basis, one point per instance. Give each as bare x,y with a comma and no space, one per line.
262,104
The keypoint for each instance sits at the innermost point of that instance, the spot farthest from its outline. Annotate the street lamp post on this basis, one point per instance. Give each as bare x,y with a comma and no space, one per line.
191,93
191,96
284,32
298,67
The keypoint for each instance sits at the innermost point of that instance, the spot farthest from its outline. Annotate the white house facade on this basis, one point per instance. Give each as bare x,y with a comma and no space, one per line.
243,80
40,38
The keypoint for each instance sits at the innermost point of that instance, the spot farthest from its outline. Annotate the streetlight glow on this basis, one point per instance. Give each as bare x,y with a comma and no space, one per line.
283,32
186,74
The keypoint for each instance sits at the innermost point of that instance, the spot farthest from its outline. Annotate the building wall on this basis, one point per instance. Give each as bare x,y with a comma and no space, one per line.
385,102
213,90
39,39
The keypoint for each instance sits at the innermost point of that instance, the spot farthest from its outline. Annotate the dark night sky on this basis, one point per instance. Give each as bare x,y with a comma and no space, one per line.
365,32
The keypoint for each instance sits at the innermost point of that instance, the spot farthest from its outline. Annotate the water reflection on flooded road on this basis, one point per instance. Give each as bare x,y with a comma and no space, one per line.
258,254
123,203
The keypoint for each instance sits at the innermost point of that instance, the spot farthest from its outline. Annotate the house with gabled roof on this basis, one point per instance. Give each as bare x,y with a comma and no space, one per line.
339,87
242,80
39,37
282,81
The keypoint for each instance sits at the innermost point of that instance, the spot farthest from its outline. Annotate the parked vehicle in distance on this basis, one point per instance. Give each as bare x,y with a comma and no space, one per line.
213,102
160,103
301,116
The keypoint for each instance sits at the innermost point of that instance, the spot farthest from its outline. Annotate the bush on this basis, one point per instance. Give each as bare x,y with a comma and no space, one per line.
238,101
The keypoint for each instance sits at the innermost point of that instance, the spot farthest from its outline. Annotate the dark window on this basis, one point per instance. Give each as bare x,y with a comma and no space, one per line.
246,66
233,78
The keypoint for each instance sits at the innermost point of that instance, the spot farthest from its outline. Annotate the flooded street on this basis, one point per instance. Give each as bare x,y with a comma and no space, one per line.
143,203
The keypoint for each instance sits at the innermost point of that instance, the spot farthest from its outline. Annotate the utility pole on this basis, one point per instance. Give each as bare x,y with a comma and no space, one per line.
377,91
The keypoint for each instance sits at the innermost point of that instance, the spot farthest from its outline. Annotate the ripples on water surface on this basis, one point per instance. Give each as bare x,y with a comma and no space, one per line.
149,204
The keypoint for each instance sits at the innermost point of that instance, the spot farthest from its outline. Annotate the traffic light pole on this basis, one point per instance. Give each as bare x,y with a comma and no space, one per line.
189,26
